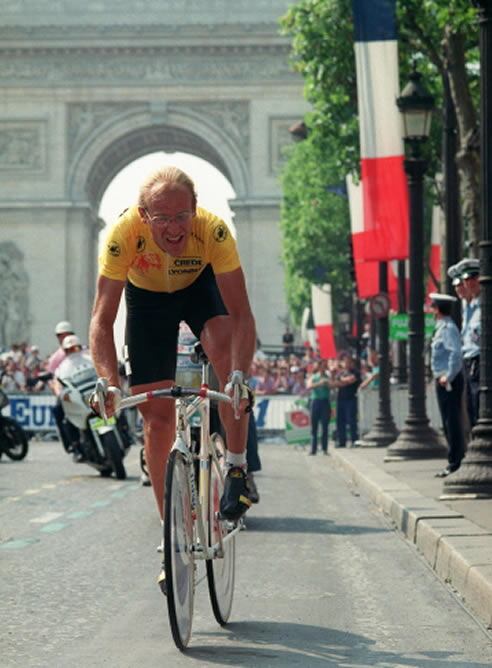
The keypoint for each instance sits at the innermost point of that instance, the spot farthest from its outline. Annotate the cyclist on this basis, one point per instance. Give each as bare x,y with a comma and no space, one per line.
176,262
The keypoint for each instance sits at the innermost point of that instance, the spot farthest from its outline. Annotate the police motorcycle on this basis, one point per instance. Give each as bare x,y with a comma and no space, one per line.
13,438
103,444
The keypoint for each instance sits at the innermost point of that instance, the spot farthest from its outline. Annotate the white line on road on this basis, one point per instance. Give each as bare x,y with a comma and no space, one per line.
44,519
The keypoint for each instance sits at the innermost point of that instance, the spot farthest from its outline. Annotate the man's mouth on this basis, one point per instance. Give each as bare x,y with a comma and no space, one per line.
174,239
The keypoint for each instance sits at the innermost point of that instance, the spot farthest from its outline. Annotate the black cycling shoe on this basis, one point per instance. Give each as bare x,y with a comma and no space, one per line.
235,500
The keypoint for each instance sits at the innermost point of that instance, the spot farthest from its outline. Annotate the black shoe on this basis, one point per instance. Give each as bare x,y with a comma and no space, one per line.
235,500
78,457
325,452
252,489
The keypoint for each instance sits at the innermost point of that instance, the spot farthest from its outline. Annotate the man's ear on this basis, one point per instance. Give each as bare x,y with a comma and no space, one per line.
143,214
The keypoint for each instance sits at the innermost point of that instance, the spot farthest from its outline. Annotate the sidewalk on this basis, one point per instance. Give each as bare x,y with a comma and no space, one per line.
453,534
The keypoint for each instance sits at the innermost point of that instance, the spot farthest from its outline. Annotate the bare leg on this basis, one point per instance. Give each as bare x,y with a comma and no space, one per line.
215,339
159,431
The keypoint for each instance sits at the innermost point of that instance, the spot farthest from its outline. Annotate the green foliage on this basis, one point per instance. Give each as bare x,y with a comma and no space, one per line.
315,223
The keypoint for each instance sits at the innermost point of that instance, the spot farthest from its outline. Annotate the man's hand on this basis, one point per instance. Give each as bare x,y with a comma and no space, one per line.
242,395
106,399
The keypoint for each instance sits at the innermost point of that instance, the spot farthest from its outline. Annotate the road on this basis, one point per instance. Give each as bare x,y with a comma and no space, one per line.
322,579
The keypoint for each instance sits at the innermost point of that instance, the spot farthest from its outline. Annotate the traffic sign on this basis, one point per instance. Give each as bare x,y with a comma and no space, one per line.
380,305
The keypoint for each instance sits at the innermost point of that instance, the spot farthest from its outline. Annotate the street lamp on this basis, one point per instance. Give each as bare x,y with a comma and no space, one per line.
475,474
383,431
417,438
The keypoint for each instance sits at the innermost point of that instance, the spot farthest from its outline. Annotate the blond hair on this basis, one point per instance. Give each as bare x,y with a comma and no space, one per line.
162,179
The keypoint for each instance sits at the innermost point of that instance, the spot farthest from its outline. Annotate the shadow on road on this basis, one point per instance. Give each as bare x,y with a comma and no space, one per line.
307,645
306,525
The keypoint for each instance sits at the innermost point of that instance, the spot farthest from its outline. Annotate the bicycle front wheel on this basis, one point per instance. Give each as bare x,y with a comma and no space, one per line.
220,571
178,549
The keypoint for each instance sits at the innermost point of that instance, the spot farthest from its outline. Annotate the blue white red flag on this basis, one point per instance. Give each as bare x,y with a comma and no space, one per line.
323,320
367,272
384,235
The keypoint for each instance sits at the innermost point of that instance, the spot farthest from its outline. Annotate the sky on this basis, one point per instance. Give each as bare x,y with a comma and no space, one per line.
213,191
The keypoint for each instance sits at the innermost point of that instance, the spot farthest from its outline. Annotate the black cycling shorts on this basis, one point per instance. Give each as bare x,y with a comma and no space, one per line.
152,325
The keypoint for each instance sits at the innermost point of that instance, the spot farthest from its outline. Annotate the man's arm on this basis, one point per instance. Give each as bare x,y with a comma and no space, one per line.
101,339
232,288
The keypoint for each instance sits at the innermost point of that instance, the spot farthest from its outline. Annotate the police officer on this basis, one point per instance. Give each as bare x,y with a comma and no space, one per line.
447,369
467,286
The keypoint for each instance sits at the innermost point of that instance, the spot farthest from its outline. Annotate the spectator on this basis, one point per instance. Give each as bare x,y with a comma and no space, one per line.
319,384
13,379
347,381
288,341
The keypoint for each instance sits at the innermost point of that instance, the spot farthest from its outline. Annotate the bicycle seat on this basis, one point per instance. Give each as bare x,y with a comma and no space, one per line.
198,356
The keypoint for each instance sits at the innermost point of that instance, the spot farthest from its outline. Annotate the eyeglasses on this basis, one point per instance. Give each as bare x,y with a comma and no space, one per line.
162,220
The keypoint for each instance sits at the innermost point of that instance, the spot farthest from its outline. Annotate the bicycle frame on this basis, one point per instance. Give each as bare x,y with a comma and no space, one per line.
189,402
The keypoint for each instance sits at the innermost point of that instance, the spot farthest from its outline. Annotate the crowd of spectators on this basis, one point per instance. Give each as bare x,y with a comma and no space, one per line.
288,373
270,374
20,368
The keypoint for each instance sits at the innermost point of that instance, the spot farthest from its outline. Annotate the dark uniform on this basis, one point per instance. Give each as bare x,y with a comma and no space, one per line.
446,361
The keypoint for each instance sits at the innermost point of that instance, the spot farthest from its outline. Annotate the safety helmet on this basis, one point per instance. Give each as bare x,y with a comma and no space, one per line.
64,327
70,341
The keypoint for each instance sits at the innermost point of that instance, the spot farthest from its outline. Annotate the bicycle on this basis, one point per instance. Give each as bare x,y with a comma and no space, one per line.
193,528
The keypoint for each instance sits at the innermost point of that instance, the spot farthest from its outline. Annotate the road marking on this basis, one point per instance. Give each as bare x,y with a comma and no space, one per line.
79,514
49,485
30,492
101,504
19,543
47,517
54,527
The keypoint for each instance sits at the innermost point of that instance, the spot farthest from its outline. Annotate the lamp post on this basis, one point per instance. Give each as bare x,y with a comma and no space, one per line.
475,474
417,438
383,431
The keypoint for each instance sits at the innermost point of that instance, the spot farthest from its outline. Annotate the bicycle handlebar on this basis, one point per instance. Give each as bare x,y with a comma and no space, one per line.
175,392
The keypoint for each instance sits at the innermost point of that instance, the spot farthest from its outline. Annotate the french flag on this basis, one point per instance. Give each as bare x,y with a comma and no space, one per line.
323,320
384,235
434,281
366,272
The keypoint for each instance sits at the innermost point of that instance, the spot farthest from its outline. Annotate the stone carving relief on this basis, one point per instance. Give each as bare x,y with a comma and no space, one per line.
280,138
154,67
230,116
14,296
22,145
84,118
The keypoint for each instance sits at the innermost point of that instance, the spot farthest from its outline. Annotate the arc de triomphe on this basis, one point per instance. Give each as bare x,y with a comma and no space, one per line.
89,87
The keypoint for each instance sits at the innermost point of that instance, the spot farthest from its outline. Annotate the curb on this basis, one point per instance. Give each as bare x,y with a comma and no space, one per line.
459,551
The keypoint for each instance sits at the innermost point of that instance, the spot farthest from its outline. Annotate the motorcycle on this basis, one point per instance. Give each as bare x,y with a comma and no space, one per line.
103,444
13,438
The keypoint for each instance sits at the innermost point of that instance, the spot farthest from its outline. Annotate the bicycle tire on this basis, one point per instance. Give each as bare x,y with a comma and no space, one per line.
114,454
15,443
179,561
220,571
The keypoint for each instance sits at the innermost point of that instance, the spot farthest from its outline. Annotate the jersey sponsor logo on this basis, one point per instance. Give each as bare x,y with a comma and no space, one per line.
140,244
114,248
143,263
221,233
190,270
188,262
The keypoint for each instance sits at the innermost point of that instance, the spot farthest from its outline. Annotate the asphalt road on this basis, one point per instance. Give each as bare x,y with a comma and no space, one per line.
322,580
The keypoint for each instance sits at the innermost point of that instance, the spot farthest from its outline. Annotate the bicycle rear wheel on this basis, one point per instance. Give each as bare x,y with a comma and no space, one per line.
178,549
220,571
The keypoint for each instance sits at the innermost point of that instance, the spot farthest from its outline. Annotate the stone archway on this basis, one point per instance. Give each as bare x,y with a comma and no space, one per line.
88,90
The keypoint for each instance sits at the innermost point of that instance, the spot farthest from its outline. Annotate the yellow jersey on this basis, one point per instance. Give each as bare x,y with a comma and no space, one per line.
130,252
